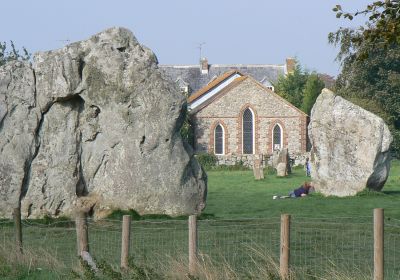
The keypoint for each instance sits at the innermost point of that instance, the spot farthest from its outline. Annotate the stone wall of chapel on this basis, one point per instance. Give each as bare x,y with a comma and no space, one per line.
269,110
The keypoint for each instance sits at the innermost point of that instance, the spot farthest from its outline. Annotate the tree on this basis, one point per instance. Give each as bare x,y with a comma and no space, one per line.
292,85
370,61
300,88
13,54
187,130
312,89
382,28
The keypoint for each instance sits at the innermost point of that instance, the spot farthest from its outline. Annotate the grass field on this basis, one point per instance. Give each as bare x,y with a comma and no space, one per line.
241,236
235,194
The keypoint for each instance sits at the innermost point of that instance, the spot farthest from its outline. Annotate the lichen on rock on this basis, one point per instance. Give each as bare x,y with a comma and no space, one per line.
95,119
350,147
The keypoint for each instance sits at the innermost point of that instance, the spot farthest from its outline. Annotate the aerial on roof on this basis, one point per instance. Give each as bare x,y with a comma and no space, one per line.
198,76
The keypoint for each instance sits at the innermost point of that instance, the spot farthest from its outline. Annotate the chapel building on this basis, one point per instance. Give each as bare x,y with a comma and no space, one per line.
236,115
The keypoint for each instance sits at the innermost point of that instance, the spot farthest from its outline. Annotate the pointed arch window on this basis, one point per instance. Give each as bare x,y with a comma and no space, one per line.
277,137
219,140
248,132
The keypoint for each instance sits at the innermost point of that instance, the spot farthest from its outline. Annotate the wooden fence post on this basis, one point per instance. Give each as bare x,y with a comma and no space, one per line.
192,244
285,249
126,236
378,244
18,229
82,235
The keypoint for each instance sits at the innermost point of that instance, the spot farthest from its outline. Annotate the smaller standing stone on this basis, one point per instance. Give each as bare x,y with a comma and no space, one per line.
258,169
283,163
281,170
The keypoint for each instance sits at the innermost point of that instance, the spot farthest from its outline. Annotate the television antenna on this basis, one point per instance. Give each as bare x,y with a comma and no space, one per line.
200,46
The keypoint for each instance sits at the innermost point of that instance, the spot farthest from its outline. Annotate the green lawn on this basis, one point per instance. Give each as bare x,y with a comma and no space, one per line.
235,194
243,217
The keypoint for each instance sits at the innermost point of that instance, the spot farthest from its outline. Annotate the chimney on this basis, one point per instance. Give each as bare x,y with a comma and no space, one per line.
204,65
290,65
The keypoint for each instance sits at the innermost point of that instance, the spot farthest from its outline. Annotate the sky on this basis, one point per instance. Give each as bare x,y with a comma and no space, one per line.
229,31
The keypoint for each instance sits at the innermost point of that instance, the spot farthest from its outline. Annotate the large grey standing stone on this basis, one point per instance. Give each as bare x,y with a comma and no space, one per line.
19,121
350,147
95,125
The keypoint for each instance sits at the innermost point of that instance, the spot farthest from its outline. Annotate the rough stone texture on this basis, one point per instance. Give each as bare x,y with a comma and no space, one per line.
350,147
281,170
269,110
258,170
94,125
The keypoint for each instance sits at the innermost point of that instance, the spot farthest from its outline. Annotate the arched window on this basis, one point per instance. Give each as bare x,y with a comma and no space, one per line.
277,137
248,132
219,140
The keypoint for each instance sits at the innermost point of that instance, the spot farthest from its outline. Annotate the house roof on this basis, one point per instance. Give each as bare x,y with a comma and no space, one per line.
213,85
192,75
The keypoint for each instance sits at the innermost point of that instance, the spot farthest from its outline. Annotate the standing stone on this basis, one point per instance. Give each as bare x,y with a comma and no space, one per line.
350,147
282,162
281,170
95,125
258,169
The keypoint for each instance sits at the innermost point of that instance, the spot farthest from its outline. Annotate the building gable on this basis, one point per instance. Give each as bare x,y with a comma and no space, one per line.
245,89
213,88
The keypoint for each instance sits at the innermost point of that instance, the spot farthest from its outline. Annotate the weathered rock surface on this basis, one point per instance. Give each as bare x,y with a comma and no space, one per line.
350,147
281,161
94,125
281,170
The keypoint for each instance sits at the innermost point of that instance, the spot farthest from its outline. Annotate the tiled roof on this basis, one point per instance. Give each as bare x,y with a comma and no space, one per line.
211,85
192,75
233,84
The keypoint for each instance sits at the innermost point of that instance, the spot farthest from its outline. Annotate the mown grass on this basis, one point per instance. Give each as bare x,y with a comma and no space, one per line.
235,194
243,219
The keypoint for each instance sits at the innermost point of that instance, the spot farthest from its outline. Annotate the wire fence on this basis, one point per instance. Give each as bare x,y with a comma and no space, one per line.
317,245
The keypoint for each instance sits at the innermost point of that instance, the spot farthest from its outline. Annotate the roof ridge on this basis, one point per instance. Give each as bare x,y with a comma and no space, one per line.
212,84
222,65
277,95
233,84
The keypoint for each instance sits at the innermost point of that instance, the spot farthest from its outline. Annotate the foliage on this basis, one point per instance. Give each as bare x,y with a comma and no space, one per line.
300,88
383,28
236,167
370,75
312,89
292,85
207,160
13,54
187,131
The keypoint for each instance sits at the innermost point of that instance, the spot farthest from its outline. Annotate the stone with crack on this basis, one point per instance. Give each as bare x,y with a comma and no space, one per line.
350,147
95,119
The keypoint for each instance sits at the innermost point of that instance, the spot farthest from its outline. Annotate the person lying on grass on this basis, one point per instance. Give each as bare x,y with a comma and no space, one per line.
303,190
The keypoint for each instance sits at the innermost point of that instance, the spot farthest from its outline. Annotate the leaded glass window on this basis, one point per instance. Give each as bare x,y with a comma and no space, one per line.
248,133
219,140
277,137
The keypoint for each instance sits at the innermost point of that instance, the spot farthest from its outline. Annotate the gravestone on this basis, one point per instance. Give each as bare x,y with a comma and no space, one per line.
258,169
283,167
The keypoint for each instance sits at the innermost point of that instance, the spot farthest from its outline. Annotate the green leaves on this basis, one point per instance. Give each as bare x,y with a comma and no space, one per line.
300,88
383,23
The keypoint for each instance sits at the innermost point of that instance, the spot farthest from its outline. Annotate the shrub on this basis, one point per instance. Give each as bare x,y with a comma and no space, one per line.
207,160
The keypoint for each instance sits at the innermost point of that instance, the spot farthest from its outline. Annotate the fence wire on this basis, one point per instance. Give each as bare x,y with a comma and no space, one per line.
317,245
